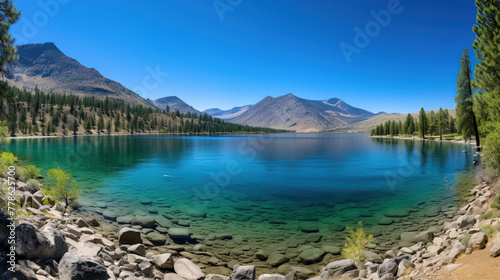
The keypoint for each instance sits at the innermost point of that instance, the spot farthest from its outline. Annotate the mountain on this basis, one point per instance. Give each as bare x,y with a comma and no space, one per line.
293,113
173,103
228,114
46,67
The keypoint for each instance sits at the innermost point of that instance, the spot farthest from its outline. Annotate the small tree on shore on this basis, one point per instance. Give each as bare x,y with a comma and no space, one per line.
423,122
61,187
357,241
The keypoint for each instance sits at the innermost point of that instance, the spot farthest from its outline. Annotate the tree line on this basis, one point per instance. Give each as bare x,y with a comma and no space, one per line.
432,123
478,94
40,113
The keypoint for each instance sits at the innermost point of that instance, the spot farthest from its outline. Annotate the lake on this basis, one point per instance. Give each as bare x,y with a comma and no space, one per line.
273,192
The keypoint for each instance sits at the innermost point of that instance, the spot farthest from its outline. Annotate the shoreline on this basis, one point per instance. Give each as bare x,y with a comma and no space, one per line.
93,233
470,142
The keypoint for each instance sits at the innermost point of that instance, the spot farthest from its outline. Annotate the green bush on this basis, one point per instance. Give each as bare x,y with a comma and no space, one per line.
61,187
465,240
496,203
8,159
33,185
488,230
357,241
491,152
31,172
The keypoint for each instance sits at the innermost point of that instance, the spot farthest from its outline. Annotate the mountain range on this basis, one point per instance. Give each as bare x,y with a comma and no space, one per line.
47,68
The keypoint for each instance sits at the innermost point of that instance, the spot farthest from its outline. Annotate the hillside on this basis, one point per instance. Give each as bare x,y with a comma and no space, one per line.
45,67
293,113
173,103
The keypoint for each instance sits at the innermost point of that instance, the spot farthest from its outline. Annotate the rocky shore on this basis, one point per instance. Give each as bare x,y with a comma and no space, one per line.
52,244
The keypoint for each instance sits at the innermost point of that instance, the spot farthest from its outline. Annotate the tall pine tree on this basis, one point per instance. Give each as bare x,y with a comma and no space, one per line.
466,118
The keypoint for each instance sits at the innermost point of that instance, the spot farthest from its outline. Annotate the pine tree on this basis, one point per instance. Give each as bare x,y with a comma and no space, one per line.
466,118
75,127
442,121
8,16
487,72
424,122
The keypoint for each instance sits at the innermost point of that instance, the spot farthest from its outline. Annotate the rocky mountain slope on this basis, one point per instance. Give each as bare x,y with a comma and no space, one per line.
46,67
173,103
293,113
228,114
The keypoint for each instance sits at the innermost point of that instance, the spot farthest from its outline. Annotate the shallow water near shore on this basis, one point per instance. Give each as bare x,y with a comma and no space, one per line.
273,192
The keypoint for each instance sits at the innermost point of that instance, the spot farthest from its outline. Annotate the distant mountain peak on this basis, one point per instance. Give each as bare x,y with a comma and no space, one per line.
295,113
173,103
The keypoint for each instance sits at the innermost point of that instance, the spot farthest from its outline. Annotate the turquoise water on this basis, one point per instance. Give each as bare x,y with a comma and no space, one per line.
263,189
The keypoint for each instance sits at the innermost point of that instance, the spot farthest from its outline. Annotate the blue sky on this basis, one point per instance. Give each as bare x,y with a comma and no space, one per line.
235,52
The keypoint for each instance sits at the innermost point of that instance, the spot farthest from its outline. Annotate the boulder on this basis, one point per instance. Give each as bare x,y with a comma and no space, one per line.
311,256
144,221
20,273
188,270
4,229
125,219
129,236
172,276
243,272
415,237
389,266
478,240
138,249
372,257
276,259
147,268
466,221
404,267
292,272
272,277
156,238
334,250
457,249
73,267
179,233
216,277
495,246
48,243
164,261
335,269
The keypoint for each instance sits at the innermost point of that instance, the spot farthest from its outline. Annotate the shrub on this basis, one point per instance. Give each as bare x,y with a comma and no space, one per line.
31,172
488,230
8,159
357,241
465,240
61,186
33,185
491,152
496,203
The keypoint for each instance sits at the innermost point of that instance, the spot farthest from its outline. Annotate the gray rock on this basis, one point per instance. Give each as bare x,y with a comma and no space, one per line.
457,249
308,227
164,261
414,237
156,238
495,246
216,277
48,243
373,257
334,250
179,233
188,270
20,273
4,229
478,240
385,221
244,272
163,222
276,259
172,276
311,256
336,269
129,236
147,268
404,267
144,221
389,266
73,267
432,211
125,219
193,212
466,221
261,255
109,215
137,249
272,277
388,276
